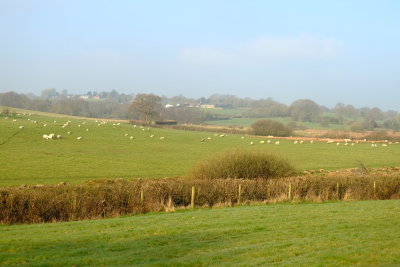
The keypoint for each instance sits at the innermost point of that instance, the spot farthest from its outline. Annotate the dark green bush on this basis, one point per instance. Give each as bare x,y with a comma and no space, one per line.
270,127
246,164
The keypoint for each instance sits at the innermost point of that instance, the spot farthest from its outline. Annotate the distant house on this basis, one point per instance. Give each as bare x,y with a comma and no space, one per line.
207,106
85,97
169,106
96,97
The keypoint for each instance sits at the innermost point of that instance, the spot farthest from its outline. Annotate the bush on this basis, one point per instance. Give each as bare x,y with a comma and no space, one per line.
270,127
244,164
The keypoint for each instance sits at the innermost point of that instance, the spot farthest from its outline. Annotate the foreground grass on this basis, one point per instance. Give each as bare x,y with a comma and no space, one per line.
330,234
104,152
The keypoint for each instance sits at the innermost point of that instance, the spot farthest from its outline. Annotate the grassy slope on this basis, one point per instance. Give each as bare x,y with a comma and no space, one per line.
329,234
248,121
105,152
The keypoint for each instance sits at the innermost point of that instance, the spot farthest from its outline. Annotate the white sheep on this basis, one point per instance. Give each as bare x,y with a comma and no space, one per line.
162,138
79,138
277,143
21,127
262,142
59,136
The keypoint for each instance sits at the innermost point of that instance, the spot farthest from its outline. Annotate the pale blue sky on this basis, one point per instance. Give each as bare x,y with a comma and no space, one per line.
329,51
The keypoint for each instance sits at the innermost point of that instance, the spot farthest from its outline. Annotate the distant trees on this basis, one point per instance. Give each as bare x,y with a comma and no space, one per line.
184,115
148,106
12,99
270,127
345,111
305,110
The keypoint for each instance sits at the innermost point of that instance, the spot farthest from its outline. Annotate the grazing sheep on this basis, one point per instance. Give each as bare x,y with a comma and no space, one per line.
242,137
59,136
45,136
68,132
162,138
277,143
21,127
131,137
203,140
151,136
87,130
44,125
269,141
384,145
209,138
295,142
79,138
301,142
126,134
312,141
251,143
262,142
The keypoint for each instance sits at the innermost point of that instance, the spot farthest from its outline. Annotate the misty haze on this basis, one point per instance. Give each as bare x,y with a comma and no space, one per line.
199,133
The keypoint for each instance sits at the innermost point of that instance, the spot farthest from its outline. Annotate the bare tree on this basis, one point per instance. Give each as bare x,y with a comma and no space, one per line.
148,105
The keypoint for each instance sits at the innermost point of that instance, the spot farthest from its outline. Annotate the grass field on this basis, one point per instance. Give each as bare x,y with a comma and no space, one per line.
104,152
362,233
245,122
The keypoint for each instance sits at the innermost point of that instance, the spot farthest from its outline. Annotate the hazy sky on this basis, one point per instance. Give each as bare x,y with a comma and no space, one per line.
327,50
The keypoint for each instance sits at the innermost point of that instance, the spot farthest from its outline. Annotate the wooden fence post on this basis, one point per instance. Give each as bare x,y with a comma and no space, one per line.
192,199
141,196
290,191
240,194
374,189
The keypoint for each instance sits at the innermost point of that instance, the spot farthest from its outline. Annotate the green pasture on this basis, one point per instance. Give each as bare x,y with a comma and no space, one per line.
104,152
364,233
246,122
225,111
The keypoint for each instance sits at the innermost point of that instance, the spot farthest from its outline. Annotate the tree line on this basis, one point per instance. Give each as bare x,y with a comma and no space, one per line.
150,107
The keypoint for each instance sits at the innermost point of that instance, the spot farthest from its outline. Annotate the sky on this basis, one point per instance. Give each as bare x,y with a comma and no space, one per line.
329,51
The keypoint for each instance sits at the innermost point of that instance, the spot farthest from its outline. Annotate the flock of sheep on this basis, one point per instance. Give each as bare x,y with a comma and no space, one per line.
67,124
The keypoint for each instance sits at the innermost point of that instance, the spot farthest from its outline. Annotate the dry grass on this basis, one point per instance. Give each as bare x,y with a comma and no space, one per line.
110,198
242,163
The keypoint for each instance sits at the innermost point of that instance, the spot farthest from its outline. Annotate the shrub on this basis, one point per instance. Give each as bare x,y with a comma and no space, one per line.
244,164
270,127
